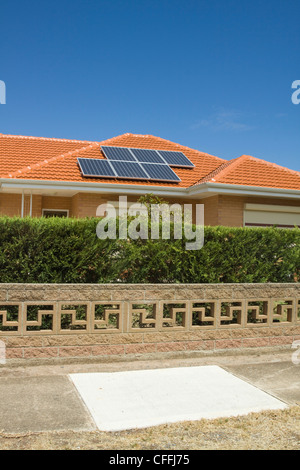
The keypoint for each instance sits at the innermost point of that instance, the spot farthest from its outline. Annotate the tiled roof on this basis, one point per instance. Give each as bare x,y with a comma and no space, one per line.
50,159
17,151
250,171
63,166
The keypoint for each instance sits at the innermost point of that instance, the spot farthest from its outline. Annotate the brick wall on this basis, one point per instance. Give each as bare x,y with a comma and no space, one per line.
229,210
224,210
119,321
211,215
57,202
87,204
218,210
10,204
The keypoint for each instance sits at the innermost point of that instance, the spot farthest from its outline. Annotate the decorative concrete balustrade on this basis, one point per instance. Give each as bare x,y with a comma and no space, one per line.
98,320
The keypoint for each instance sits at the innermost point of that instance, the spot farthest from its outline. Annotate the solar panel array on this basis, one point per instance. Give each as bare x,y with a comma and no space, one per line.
167,157
132,163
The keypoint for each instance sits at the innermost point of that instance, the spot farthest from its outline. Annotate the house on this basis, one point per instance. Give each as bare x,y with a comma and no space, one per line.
43,177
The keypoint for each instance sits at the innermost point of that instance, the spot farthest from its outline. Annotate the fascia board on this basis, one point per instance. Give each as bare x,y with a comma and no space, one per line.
201,190
84,187
240,190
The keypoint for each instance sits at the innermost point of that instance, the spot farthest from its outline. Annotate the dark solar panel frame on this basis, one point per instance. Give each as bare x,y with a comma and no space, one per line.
177,159
147,156
96,168
129,170
118,153
160,172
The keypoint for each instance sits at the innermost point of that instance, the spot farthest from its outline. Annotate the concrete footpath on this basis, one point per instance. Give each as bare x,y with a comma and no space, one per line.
42,397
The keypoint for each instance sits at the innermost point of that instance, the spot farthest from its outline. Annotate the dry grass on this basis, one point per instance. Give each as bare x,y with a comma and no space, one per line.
270,430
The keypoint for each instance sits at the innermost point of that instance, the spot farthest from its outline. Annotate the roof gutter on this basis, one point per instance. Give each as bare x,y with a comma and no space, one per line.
10,183
242,190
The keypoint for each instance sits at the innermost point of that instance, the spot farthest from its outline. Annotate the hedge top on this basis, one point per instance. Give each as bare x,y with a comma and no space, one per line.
57,250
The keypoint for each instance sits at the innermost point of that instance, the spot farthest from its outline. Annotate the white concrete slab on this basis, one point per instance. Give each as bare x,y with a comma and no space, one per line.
143,398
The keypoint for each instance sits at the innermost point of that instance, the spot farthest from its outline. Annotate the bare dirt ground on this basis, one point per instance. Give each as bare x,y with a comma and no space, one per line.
270,430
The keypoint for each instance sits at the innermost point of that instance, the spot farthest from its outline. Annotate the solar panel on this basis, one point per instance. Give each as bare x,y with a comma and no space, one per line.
95,167
147,156
118,153
125,154
160,172
132,170
132,163
175,158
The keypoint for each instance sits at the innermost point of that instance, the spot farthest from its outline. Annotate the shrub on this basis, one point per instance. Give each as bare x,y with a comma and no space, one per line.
57,250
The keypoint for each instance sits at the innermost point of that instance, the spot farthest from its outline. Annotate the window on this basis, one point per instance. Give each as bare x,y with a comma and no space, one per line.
263,215
55,213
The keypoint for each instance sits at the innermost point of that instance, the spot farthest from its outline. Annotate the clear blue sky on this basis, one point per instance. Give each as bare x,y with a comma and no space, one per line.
214,75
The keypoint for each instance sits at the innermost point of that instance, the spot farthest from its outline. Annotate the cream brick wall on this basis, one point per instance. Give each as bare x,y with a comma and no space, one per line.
36,206
218,210
211,210
10,204
85,204
57,202
229,210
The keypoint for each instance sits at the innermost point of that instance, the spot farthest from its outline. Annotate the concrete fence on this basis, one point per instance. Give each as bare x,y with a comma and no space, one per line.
39,321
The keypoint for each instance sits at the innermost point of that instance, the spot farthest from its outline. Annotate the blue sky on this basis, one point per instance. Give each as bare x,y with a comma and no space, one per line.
213,75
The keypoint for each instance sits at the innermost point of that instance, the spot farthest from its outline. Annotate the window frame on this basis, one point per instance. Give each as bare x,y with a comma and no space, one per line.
56,210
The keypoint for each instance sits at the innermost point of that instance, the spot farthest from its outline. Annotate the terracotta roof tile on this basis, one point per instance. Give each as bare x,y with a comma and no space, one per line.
17,151
63,167
37,158
250,171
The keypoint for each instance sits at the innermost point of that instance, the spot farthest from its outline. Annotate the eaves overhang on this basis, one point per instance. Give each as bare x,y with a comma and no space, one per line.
71,187
209,189
199,191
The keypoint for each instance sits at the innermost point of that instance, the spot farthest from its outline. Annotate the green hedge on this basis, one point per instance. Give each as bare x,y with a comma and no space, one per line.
68,251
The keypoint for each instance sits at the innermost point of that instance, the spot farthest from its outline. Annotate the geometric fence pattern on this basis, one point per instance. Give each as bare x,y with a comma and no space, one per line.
97,317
